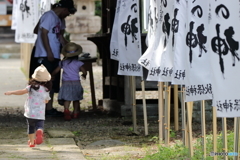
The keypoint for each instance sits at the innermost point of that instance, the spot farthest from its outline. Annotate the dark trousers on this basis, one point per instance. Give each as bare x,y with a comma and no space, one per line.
37,61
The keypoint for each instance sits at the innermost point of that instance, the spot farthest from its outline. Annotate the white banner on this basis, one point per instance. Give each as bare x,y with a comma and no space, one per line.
198,81
44,5
178,28
163,35
152,39
27,19
167,55
224,41
15,14
129,38
114,37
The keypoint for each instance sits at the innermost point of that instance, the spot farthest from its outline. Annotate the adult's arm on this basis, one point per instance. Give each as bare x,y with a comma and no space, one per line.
58,69
35,31
46,45
63,41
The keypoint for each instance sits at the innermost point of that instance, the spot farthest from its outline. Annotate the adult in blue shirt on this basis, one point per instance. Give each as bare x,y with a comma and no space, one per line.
50,39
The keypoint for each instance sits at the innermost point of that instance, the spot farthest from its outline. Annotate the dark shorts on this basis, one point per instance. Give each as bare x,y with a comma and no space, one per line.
51,66
34,124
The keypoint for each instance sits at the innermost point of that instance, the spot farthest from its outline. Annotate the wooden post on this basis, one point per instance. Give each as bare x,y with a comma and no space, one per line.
214,131
176,107
224,134
160,110
144,108
184,130
203,128
189,126
167,113
134,110
236,136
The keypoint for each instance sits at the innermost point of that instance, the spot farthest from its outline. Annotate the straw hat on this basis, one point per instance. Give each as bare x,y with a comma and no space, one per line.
71,49
41,74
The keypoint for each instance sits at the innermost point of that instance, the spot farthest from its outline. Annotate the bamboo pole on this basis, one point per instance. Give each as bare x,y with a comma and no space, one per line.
203,128
167,113
189,126
160,110
224,134
236,136
215,131
134,110
176,107
144,108
183,117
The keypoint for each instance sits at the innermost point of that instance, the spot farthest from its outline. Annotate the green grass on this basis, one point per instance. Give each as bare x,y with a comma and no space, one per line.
180,152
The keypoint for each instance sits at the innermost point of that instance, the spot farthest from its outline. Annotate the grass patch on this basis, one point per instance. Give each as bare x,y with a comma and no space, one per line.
180,152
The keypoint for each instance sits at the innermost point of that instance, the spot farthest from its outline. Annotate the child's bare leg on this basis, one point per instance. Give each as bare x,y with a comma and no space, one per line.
76,106
67,115
67,104
31,138
76,109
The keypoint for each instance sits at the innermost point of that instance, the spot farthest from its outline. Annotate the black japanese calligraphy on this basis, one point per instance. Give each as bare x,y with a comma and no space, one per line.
233,45
179,74
164,2
167,71
24,8
145,62
130,67
201,39
191,41
155,71
115,52
175,24
222,46
129,27
194,90
197,9
166,28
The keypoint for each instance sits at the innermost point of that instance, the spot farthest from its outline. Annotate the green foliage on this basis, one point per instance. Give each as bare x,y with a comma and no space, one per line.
98,8
76,133
154,139
177,151
172,133
180,152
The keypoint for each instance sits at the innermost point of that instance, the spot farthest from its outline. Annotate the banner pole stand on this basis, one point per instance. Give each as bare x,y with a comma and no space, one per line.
189,126
203,128
224,134
236,136
167,113
144,108
183,116
134,110
176,108
215,131
160,110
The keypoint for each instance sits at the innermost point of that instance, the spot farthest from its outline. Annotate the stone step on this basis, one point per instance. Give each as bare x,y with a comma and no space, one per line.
11,50
10,56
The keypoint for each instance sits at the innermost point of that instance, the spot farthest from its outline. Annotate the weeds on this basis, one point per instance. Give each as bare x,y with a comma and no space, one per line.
180,152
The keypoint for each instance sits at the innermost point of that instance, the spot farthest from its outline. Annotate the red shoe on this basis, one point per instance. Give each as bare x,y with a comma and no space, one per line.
39,136
67,115
75,115
31,145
